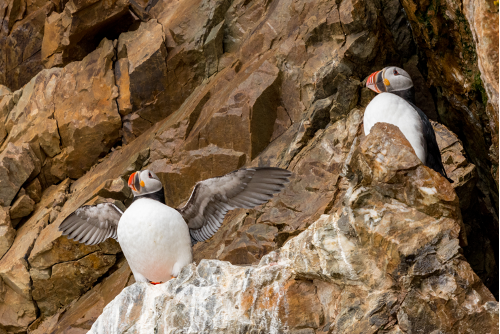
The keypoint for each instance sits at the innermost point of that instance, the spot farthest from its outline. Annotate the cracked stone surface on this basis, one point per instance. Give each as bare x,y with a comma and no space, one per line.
91,91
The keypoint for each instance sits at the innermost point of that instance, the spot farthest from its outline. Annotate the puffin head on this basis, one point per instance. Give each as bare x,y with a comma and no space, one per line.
391,80
145,182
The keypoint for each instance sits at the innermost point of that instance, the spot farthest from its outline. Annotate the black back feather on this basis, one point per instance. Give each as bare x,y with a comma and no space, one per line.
433,158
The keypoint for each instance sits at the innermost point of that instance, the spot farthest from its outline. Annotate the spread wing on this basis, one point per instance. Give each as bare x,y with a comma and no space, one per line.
92,224
213,198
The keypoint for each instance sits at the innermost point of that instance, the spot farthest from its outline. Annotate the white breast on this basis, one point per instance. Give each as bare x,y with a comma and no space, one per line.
155,240
392,109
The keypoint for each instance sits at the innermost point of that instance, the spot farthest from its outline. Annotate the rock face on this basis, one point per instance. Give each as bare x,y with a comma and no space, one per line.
91,91
359,269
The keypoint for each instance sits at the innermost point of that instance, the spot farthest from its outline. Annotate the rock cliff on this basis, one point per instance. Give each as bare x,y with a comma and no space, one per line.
363,239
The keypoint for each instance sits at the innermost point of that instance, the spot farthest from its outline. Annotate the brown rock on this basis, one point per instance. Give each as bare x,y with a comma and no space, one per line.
483,20
88,122
4,90
462,97
34,190
66,281
16,311
17,307
17,164
12,11
133,126
213,49
22,47
242,120
145,73
31,118
80,315
7,232
22,207
78,29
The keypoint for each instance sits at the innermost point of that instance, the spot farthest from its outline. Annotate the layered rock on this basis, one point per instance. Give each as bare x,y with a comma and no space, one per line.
77,30
362,268
195,89
459,40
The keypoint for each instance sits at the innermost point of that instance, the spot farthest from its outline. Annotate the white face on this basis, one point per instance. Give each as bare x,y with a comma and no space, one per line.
396,79
145,182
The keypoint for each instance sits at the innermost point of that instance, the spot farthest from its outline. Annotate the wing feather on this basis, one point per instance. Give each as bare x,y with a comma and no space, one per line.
92,224
213,198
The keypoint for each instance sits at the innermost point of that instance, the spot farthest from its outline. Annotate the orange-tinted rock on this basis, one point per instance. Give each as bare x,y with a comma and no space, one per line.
242,120
76,31
86,113
81,314
17,164
7,232
22,48
22,207
30,120
16,311
483,20
145,72
464,86
34,190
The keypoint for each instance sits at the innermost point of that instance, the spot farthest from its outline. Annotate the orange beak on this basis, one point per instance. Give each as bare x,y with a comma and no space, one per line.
133,181
376,82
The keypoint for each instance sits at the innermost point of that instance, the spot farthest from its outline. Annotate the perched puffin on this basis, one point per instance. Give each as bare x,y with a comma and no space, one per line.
157,239
395,104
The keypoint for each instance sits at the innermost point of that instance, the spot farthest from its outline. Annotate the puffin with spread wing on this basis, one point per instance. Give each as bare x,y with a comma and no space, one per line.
157,239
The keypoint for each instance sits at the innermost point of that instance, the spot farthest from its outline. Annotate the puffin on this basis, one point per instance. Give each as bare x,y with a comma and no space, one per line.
156,239
395,104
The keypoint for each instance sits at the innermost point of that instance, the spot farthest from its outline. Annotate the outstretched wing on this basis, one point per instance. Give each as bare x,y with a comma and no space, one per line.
213,198
92,224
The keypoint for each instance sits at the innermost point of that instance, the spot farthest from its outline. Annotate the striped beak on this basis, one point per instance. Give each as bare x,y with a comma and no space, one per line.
134,182
376,82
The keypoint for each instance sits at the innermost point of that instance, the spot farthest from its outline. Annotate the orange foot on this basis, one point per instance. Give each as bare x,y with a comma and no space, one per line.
156,283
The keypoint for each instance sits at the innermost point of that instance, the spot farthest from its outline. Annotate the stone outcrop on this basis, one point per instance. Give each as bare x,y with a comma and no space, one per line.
17,165
194,89
463,85
359,269
71,34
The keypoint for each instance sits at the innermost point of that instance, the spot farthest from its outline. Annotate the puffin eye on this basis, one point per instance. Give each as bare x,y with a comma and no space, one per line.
395,72
150,176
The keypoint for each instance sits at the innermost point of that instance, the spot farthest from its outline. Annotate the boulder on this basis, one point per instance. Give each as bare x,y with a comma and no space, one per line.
31,117
88,122
22,47
81,314
22,207
141,71
17,165
483,18
360,268
242,119
465,99
76,31
34,190
7,232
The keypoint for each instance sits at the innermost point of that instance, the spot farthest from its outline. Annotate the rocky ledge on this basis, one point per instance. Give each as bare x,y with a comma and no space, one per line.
386,259
92,90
